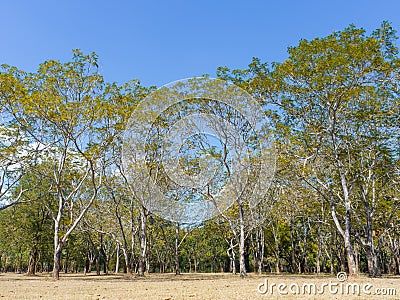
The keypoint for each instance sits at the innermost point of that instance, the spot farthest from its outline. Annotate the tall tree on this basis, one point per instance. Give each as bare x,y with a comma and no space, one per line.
65,100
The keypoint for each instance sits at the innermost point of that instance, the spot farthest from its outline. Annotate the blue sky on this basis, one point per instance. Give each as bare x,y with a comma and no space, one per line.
162,41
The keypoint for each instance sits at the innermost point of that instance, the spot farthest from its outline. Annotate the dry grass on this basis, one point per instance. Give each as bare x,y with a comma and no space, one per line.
169,286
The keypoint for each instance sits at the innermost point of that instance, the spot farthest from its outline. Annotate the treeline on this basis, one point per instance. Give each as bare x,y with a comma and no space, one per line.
333,204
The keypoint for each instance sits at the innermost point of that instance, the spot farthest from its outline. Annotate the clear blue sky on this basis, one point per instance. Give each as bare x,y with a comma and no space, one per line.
162,41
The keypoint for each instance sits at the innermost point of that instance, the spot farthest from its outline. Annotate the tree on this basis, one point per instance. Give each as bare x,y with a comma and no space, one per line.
65,102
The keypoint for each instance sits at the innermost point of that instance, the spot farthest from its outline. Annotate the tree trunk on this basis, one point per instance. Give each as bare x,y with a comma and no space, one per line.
292,250
57,261
242,261
126,258
99,254
90,263
372,253
190,263
261,261
117,259
233,262
277,255
147,263
258,251
177,269
372,259
98,263
351,263
143,241
105,270
58,244
319,254
33,261
124,246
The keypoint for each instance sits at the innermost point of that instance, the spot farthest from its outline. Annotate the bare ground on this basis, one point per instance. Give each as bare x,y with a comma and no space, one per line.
190,286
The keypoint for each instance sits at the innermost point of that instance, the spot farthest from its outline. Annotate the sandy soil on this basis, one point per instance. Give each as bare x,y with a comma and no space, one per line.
190,286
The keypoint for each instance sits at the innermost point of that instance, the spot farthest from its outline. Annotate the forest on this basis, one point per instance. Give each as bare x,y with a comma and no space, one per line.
67,204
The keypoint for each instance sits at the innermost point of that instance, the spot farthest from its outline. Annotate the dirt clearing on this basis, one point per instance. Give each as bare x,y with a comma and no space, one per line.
196,286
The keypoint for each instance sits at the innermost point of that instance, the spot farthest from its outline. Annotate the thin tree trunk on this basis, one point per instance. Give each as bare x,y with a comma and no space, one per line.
319,254
190,263
292,250
372,253
58,245
143,241
98,263
195,264
177,269
117,259
126,258
347,219
258,247
242,261
261,258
